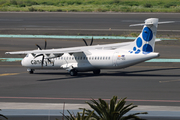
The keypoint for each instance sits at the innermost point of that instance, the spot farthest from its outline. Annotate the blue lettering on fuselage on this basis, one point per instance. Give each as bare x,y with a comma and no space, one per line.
46,63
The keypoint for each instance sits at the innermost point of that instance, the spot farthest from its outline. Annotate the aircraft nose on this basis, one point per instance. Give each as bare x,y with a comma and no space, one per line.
24,62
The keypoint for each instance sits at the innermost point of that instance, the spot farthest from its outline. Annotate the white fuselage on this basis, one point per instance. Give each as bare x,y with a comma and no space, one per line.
99,59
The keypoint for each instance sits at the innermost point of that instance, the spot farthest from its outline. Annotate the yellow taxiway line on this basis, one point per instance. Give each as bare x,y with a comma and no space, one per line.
7,74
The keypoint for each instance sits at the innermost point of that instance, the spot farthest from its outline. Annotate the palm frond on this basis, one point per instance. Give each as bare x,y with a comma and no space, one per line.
104,108
115,110
3,115
96,108
88,112
113,103
133,116
120,104
124,111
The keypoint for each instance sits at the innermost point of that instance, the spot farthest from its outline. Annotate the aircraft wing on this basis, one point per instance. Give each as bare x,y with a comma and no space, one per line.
83,49
48,51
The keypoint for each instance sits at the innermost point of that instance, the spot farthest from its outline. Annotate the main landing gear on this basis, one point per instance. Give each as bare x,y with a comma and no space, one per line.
96,72
31,71
73,72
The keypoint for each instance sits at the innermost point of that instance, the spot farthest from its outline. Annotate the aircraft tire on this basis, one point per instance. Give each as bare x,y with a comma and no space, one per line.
97,72
31,71
73,72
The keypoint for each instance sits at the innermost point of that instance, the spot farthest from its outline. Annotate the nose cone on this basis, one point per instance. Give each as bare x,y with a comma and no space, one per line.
22,62
25,62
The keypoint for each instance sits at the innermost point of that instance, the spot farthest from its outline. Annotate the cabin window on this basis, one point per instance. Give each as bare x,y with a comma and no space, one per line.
89,58
109,58
95,58
72,58
69,58
100,58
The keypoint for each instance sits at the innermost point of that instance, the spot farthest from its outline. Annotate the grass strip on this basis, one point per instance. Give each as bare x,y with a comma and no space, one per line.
91,5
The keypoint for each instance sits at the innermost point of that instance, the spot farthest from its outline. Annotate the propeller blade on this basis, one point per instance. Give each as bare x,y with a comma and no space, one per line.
85,41
91,41
45,44
38,55
49,60
42,62
38,46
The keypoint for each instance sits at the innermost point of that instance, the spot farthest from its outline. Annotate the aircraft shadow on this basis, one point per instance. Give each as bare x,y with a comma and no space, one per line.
137,73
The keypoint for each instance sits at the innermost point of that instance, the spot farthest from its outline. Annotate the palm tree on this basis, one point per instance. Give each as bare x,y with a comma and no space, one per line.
80,116
114,111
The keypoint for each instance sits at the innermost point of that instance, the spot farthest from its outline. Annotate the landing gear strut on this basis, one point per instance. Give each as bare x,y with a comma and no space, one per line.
73,72
31,71
97,72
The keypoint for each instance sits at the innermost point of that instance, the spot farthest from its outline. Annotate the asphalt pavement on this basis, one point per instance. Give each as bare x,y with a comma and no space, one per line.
145,84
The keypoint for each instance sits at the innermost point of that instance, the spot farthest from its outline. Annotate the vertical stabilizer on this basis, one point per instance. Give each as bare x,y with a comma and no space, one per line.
145,42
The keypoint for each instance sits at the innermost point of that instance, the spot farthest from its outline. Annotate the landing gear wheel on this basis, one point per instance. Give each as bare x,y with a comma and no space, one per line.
97,72
31,71
73,72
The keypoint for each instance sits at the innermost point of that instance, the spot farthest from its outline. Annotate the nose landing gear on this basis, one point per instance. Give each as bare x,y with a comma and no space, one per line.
31,71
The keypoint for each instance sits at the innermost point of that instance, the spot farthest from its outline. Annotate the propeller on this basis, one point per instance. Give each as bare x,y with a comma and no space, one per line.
86,42
91,41
43,56
42,61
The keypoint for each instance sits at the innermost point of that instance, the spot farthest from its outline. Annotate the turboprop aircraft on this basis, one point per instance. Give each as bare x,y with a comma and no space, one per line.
95,57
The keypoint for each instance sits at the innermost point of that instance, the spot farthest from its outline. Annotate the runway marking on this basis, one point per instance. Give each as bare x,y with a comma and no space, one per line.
10,59
80,99
8,74
11,65
169,81
72,37
163,60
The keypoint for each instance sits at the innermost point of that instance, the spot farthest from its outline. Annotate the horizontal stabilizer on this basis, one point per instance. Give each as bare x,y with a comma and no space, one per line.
157,40
142,24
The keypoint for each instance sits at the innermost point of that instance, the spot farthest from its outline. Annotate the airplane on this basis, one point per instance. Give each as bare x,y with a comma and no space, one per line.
95,57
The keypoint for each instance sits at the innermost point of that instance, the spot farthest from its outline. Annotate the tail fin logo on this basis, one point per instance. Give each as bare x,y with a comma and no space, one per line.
147,34
142,42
